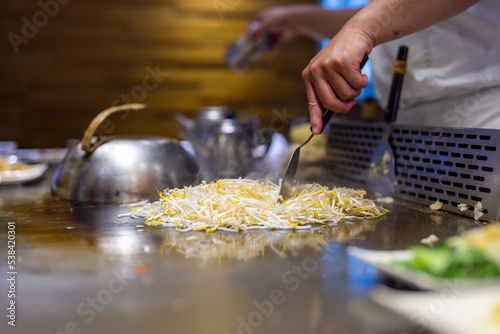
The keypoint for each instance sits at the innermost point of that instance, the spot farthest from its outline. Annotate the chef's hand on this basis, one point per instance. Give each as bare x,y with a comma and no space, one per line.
332,77
276,21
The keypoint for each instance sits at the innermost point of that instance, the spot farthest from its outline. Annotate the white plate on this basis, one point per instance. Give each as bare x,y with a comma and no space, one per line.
385,261
455,310
23,175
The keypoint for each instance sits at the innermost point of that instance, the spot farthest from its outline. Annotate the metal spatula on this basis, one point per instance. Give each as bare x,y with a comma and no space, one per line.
291,169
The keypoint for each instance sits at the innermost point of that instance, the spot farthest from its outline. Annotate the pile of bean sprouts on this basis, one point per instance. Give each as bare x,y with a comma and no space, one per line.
243,204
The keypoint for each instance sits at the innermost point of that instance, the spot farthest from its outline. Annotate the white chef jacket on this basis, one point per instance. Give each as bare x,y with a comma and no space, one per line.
453,71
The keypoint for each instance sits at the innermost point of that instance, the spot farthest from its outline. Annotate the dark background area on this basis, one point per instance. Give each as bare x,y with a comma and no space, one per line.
84,56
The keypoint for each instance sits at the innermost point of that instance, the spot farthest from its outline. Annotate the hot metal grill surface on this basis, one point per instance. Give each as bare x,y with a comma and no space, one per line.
77,260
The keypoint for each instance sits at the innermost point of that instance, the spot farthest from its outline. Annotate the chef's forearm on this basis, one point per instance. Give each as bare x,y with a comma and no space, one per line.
317,22
385,20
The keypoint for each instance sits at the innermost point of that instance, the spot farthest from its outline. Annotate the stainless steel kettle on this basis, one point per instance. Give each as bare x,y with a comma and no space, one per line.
225,145
199,128
122,169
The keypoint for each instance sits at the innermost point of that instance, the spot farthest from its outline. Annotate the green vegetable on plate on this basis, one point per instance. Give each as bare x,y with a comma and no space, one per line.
474,254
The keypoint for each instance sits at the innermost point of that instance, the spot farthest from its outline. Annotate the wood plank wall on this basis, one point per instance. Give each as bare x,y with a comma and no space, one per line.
92,53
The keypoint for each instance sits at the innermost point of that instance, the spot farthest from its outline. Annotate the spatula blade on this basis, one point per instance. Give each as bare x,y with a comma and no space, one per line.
291,170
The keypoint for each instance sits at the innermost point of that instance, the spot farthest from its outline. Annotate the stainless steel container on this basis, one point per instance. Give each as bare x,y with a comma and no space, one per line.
122,169
198,129
225,145
230,146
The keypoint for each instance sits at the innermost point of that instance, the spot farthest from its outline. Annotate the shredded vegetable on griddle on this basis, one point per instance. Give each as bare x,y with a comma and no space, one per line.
243,204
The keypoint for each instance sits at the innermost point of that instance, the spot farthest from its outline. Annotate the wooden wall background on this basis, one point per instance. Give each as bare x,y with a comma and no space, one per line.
91,52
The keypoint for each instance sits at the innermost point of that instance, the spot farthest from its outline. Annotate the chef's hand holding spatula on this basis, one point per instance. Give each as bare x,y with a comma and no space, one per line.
291,169
333,80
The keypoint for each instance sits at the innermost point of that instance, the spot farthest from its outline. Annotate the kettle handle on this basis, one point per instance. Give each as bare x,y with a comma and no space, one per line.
88,145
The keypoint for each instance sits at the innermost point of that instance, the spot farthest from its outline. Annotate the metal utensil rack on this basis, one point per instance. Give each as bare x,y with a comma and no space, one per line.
452,165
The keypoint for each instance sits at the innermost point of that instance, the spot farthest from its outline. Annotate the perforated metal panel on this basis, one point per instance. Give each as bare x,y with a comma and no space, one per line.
452,165
350,149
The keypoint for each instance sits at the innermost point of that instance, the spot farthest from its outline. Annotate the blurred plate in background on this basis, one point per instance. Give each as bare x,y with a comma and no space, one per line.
26,174
453,310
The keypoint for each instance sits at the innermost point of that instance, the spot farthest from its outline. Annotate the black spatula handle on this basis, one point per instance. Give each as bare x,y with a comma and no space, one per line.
327,113
396,85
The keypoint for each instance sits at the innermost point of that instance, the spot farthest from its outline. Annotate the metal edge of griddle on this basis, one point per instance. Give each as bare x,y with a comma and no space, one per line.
452,165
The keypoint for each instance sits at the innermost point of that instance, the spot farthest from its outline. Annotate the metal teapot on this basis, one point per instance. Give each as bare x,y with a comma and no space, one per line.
118,169
199,128
225,145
